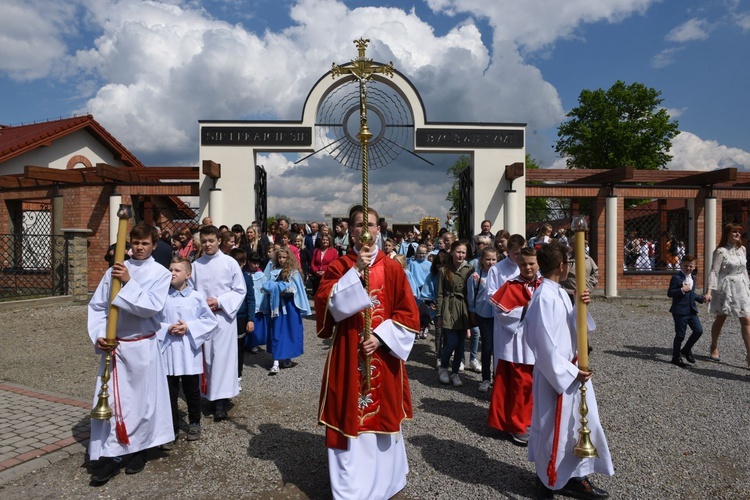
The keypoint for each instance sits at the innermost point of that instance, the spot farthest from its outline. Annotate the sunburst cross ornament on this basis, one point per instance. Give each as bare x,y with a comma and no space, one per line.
363,68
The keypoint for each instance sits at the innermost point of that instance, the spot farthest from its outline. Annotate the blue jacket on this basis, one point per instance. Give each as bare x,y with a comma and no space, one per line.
683,304
249,303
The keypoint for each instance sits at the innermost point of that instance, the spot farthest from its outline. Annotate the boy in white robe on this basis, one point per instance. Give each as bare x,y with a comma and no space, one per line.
186,323
138,393
501,272
550,331
220,279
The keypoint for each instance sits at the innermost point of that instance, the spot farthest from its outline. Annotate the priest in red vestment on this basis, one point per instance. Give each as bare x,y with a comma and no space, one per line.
366,454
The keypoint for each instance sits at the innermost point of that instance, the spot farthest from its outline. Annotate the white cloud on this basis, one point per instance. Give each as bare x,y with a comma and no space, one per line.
743,21
158,67
535,24
675,112
32,43
665,58
691,30
690,152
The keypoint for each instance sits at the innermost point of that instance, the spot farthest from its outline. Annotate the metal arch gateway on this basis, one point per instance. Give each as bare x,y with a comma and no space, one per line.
397,110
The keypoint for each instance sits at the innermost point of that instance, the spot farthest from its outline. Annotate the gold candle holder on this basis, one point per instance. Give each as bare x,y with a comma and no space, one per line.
584,447
102,411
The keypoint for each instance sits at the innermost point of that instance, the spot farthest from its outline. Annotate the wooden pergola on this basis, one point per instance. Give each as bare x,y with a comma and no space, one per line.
705,194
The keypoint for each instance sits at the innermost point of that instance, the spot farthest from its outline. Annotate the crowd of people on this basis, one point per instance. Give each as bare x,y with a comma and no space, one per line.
189,314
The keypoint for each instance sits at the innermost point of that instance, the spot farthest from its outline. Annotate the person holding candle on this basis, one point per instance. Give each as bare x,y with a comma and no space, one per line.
139,395
550,331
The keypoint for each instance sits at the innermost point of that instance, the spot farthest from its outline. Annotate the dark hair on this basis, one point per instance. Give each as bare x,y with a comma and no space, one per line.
439,261
255,258
528,252
237,228
728,229
448,267
210,230
223,226
144,231
239,255
516,241
551,255
688,258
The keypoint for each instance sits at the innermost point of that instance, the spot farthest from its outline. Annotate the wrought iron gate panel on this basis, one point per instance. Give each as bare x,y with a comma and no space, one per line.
34,262
261,197
465,231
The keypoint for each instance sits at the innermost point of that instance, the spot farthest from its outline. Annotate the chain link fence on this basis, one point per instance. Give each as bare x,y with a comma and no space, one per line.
655,239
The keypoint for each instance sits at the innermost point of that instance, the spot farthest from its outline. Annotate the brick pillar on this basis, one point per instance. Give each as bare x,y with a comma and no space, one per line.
597,232
78,271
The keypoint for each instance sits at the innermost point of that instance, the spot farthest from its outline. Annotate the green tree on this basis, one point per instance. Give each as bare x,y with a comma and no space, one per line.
454,171
618,127
537,209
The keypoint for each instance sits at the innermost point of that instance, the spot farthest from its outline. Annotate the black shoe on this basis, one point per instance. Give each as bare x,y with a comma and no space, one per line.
688,356
679,362
541,492
137,463
105,470
221,411
581,487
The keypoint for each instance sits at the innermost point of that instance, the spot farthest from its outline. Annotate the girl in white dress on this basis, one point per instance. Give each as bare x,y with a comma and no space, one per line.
729,287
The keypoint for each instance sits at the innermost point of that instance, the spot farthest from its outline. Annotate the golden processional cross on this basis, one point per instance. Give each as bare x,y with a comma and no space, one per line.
363,69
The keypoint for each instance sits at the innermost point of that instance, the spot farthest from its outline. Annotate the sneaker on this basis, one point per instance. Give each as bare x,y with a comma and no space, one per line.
475,366
239,384
105,470
456,380
137,463
167,446
520,439
484,386
274,370
423,335
443,375
194,432
461,367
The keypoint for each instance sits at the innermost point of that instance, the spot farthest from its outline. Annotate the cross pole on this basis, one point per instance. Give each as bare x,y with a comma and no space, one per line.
363,69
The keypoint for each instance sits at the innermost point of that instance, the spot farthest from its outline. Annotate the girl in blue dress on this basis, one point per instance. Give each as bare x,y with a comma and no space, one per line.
285,303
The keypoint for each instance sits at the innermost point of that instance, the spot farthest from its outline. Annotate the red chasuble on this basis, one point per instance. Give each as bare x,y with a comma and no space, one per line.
345,408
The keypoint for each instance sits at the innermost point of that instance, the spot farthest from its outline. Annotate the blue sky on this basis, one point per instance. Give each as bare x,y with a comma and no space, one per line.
148,71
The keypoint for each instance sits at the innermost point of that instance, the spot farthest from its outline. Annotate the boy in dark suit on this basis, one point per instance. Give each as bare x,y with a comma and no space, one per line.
684,311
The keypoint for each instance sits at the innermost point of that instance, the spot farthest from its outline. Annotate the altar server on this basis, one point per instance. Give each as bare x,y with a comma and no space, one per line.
219,278
139,396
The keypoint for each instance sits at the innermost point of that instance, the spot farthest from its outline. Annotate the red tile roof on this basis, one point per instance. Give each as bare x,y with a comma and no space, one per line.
17,140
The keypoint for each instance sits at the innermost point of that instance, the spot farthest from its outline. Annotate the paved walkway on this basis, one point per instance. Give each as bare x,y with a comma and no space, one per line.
39,428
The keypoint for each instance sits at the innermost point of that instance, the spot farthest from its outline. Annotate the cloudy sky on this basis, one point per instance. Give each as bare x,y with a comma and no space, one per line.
149,70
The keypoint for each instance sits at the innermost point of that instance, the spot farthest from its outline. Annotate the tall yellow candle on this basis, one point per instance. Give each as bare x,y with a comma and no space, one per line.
579,227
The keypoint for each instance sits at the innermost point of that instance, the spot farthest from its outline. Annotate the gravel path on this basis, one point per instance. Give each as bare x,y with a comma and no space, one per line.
673,433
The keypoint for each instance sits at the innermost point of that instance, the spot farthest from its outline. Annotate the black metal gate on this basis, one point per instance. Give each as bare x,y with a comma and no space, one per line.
465,231
33,260
261,197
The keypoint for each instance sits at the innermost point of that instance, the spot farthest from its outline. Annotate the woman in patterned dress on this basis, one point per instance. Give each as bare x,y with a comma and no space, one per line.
729,287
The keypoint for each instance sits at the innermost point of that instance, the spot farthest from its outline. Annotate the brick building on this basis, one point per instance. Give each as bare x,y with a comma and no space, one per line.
69,174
